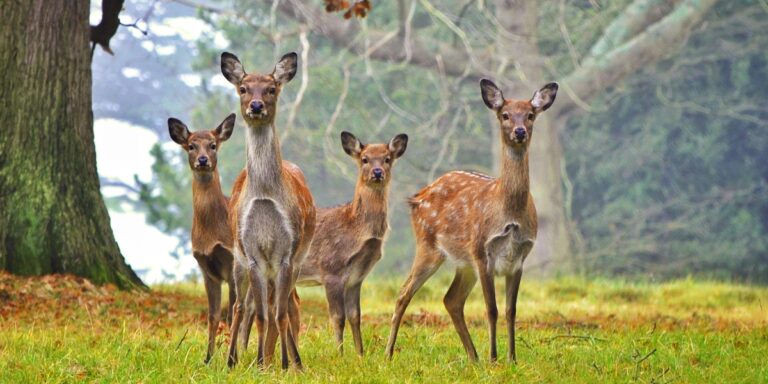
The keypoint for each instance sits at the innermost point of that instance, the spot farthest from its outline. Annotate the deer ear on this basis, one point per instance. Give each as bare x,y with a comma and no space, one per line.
352,146
178,131
224,130
544,97
492,95
285,69
231,68
398,144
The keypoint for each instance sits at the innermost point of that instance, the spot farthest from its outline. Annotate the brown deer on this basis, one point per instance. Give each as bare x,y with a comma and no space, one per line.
211,235
350,237
482,225
273,214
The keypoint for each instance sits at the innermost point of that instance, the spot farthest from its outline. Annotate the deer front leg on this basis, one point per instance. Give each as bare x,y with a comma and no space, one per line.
250,314
334,293
513,287
352,309
485,275
213,291
294,313
283,289
259,303
232,298
241,286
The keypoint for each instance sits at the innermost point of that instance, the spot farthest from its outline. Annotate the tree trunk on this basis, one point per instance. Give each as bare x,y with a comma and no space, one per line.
52,216
518,48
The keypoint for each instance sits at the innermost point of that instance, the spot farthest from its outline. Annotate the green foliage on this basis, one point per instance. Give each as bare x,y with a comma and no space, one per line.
666,177
667,169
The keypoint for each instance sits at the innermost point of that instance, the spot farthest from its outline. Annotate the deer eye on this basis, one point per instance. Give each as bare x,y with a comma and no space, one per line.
387,160
365,160
192,147
213,146
531,116
242,90
272,90
505,116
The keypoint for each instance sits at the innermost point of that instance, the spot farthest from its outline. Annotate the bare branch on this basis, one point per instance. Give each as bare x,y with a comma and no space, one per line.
635,19
304,84
655,43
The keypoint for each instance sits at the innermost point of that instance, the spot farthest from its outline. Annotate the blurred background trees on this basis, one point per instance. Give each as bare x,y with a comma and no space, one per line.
650,164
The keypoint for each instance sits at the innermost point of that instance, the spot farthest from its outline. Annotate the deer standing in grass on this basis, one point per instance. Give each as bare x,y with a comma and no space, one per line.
349,238
484,226
273,214
211,236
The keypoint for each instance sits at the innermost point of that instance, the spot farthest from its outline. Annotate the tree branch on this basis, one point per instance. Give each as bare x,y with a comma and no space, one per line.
657,42
107,27
635,19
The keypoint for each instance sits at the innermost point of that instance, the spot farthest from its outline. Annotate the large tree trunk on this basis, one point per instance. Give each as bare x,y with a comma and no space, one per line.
52,216
519,18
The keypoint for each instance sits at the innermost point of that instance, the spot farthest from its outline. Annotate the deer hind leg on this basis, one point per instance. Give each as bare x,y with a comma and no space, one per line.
485,275
513,287
426,262
352,309
454,301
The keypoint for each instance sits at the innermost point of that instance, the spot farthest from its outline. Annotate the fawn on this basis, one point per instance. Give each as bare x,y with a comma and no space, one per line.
211,236
482,225
273,214
349,238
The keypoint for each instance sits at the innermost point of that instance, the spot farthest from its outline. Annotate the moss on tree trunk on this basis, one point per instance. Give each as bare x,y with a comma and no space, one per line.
52,216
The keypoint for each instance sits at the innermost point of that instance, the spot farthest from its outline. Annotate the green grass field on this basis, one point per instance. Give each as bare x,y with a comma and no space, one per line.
63,329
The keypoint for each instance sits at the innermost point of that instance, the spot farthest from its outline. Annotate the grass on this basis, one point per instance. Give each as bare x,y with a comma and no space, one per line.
63,329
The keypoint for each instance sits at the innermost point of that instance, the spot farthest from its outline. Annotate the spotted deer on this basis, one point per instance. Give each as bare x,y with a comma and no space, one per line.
211,236
484,226
349,238
273,214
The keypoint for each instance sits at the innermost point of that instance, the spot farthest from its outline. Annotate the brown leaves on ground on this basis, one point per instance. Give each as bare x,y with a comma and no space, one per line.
359,8
62,299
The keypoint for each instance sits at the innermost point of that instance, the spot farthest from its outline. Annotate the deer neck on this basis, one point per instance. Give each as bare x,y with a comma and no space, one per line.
264,160
514,183
208,201
369,208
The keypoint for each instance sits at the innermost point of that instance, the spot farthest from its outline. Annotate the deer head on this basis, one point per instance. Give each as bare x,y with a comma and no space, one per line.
258,92
201,146
516,117
374,161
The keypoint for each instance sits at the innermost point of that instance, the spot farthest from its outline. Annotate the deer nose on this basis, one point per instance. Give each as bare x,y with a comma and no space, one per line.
257,106
377,173
520,133
202,160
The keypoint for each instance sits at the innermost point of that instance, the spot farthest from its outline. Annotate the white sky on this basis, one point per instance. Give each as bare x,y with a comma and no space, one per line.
122,151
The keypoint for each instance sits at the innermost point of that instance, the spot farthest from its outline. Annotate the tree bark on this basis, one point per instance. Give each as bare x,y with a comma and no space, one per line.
519,20
52,216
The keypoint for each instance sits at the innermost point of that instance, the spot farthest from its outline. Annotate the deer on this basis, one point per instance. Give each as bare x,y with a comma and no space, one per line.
272,213
483,226
211,235
349,238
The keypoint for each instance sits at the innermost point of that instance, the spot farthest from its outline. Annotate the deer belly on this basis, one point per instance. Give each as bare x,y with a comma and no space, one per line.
266,235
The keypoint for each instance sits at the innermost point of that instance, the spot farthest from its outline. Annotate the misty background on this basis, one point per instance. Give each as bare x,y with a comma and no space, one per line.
651,164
